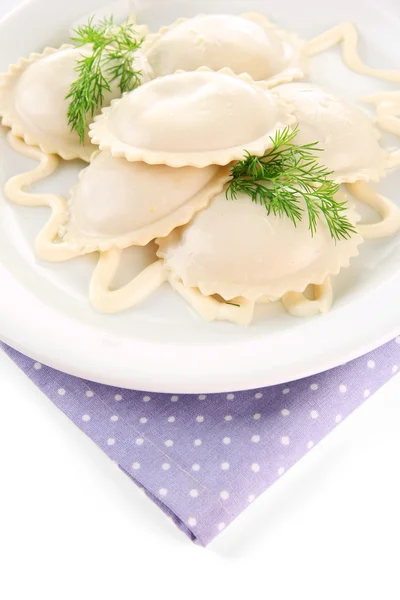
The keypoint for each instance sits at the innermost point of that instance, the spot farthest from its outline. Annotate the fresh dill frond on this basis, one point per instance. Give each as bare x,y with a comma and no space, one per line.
111,58
286,175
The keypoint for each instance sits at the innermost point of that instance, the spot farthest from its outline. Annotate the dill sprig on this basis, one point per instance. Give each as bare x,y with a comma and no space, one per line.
111,58
284,176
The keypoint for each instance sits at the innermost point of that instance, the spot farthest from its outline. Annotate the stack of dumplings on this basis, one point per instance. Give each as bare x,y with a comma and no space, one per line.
214,88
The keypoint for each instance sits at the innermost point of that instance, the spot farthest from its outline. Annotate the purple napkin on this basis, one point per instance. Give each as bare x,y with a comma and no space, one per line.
204,458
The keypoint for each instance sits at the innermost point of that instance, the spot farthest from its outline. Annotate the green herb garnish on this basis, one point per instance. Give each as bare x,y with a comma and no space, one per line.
111,58
284,176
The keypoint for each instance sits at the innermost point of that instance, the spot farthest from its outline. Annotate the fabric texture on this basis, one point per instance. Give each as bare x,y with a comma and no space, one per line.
204,458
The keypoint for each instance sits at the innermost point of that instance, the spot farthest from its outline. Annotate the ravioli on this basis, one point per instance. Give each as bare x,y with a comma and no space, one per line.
346,134
192,119
245,44
235,249
33,104
33,100
117,203
214,88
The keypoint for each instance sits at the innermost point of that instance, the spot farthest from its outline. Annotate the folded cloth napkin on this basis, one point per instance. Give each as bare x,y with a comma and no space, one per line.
204,458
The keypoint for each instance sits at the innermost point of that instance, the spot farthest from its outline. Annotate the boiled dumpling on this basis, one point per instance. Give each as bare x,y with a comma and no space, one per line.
345,133
192,118
118,203
245,44
235,249
33,104
33,100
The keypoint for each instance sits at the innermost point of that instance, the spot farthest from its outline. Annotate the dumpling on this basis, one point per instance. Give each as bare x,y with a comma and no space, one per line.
33,103
346,134
245,44
192,118
117,203
234,249
103,294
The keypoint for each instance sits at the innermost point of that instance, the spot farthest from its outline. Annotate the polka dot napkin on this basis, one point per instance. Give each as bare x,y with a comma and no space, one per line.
204,458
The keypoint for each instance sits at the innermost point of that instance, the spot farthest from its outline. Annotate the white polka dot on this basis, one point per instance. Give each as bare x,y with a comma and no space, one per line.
86,418
221,526
89,394
343,388
285,412
258,395
395,368
314,386
139,441
193,493
111,441
225,466
281,471
251,498
169,443
224,495
195,467
174,398
61,392
118,397
192,521
146,398
163,492
171,419
114,418
366,393
255,439
143,420
226,440
197,442
230,396
310,444
37,366
255,467
371,364
338,418
228,418
136,466
202,397
314,414
257,416
285,440
286,391
200,418
165,466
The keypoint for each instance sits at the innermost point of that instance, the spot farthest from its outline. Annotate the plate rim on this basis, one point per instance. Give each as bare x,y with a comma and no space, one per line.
29,337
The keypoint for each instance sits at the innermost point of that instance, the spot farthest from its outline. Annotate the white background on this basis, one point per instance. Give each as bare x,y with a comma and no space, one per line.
72,526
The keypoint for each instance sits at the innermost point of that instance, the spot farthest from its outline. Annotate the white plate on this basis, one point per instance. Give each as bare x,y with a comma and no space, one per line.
163,346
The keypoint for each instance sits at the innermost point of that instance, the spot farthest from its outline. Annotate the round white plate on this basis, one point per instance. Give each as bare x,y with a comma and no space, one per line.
163,346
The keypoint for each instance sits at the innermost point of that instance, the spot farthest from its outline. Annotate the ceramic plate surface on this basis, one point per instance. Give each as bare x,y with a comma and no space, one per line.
162,345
